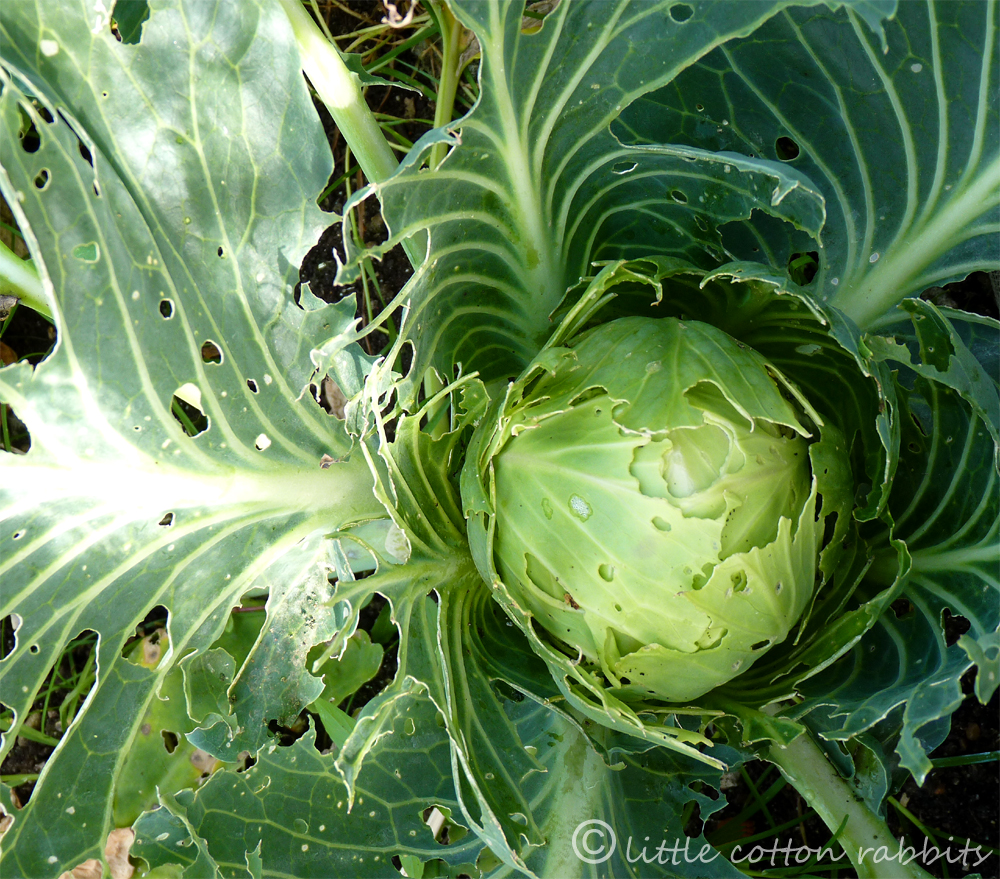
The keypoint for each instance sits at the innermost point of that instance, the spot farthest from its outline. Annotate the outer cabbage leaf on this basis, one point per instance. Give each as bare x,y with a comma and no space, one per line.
535,185
292,809
944,506
903,144
187,228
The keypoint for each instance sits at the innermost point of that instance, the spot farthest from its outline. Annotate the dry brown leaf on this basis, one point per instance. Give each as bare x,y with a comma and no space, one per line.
116,852
89,869
334,398
152,648
203,761
7,354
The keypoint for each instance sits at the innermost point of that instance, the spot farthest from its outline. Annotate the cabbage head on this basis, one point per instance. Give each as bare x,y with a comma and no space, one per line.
656,510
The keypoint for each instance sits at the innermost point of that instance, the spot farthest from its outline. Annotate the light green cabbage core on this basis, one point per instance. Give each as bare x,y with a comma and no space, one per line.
662,526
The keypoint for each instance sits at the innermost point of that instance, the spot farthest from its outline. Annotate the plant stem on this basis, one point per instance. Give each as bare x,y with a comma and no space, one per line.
861,831
340,90
19,277
451,53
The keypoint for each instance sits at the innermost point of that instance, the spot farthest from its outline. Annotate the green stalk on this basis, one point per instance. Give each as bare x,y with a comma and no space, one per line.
861,831
19,277
340,90
451,53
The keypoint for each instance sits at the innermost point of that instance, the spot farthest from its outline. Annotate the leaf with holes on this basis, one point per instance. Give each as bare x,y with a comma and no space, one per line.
176,448
897,126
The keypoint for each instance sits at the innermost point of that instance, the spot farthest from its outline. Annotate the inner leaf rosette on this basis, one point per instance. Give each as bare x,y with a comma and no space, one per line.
655,504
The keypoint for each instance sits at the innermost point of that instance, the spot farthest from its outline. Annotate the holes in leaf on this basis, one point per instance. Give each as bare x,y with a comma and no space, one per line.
47,117
64,689
8,640
252,385
149,642
701,222
221,253
128,20
89,252
288,735
624,167
786,148
262,443
586,395
169,740
700,108
167,308
30,139
87,157
14,435
681,12
168,519
954,626
42,179
760,645
210,352
446,830
678,196
802,267
739,581
661,524
699,580
902,607
186,408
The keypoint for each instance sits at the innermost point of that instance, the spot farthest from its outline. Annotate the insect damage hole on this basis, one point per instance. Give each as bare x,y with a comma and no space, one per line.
8,637
786,148
186,408
167,308
681,12
252,385
262,442
149,641
168,519
210,352
29,137
42,179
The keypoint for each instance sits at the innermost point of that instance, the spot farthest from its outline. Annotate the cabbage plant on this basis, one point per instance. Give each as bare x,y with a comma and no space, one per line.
646,500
